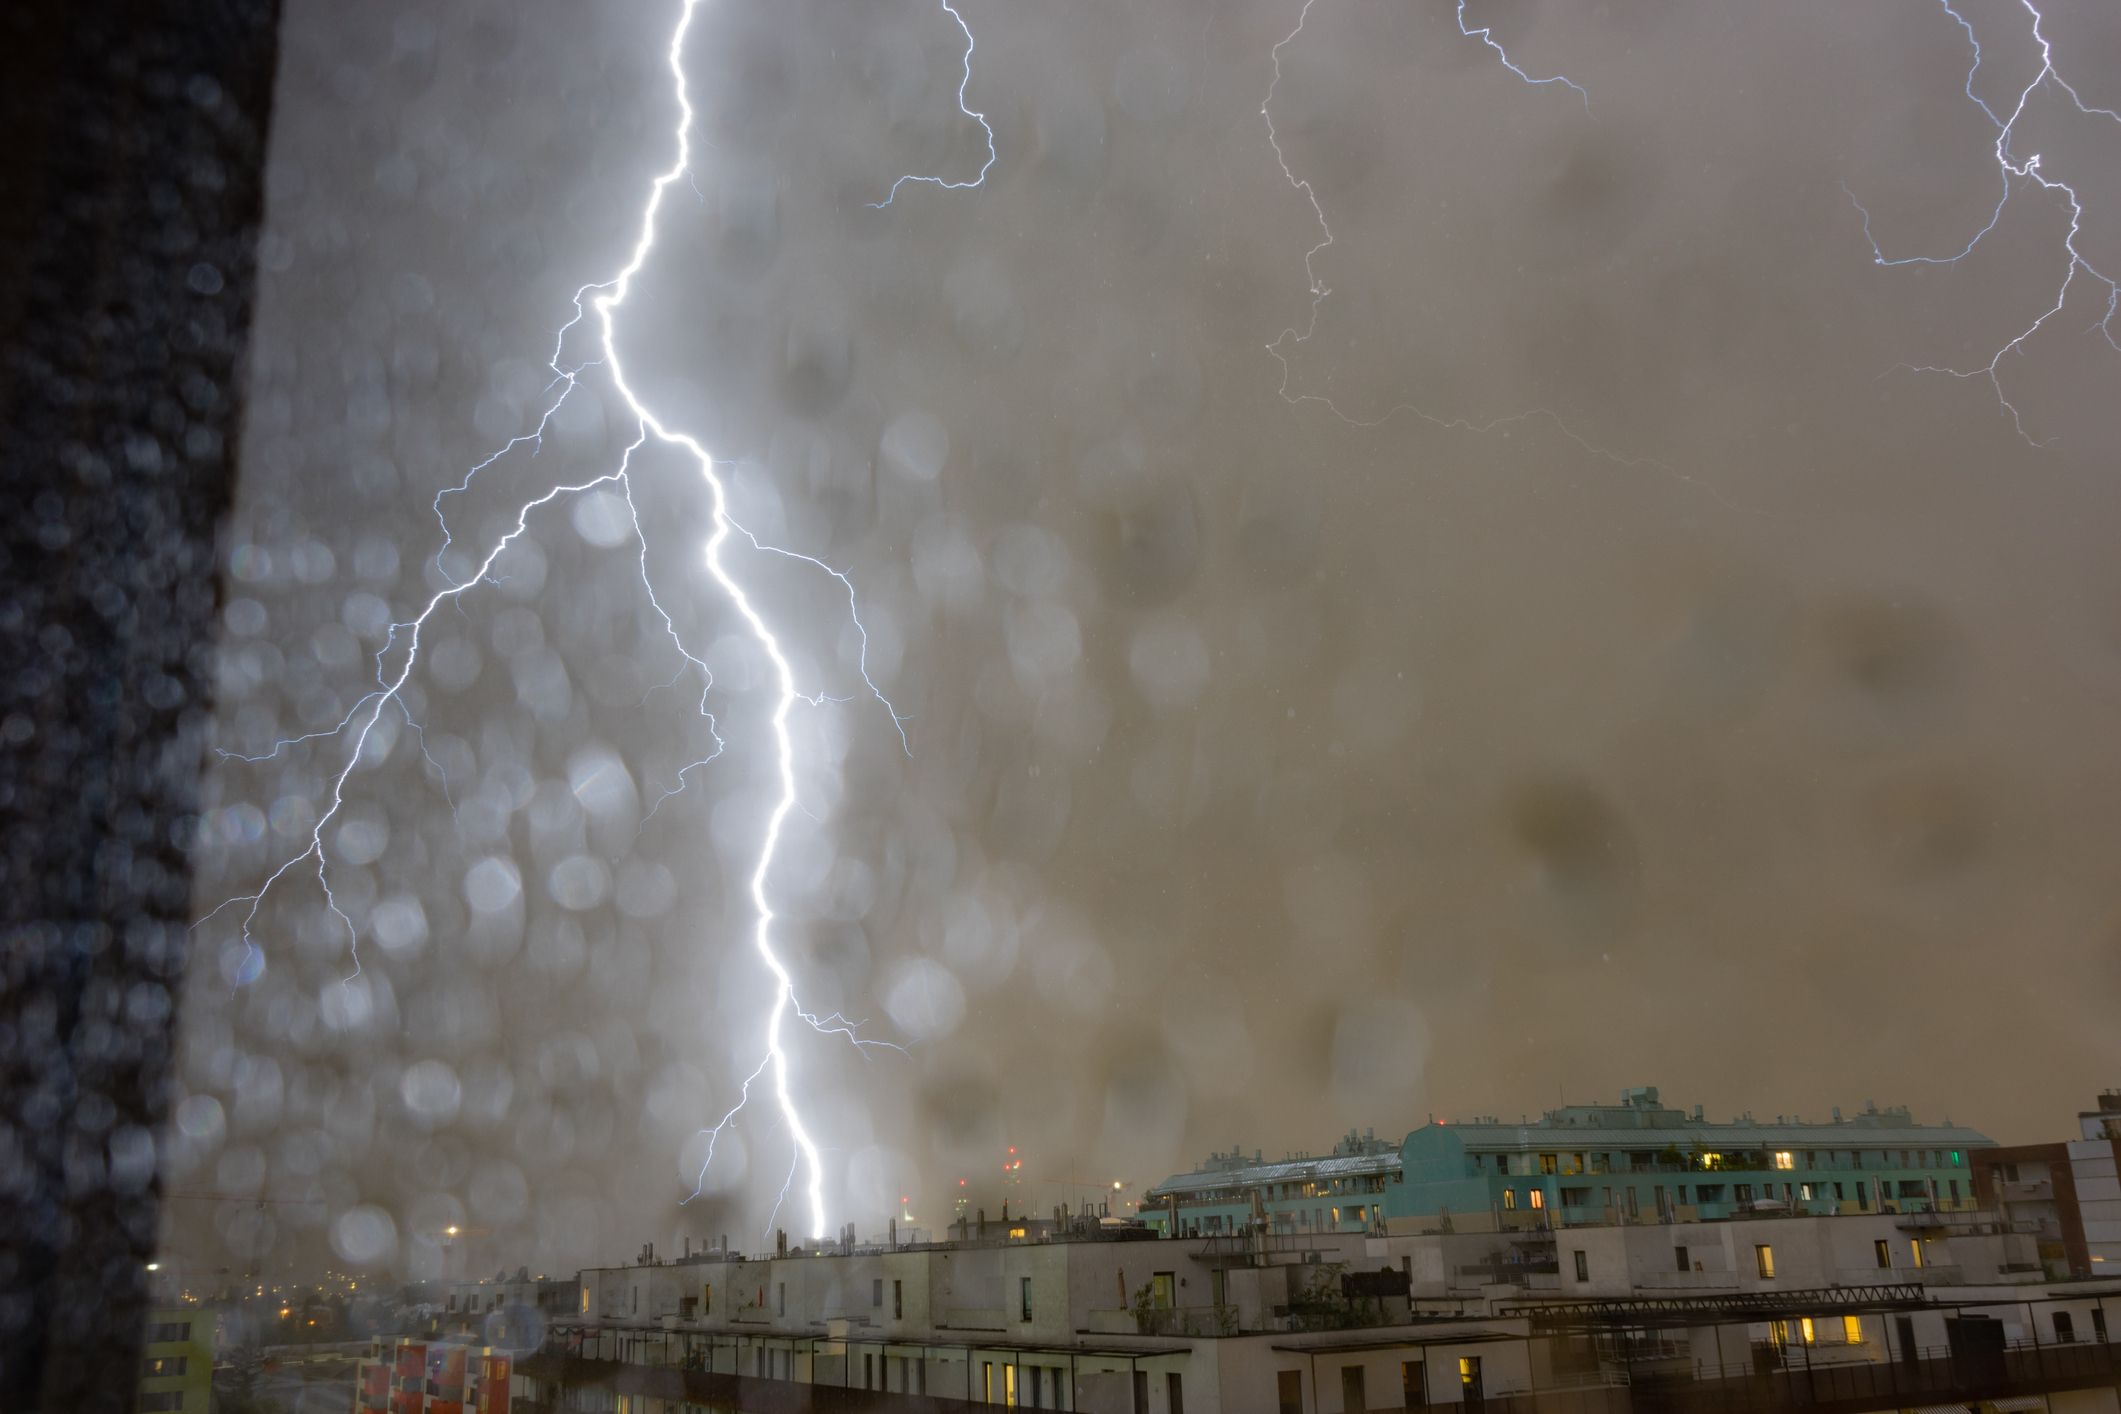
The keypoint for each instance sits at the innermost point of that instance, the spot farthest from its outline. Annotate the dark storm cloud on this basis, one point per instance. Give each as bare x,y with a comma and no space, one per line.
1269,774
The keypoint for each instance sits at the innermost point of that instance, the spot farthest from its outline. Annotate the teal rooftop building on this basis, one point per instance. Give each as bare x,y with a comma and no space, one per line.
1637,1161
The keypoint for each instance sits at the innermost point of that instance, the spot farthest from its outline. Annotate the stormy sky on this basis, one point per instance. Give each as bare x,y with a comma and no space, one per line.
1586,657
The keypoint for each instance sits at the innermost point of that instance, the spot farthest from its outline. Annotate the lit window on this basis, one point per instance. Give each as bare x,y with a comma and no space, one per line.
1809,1333
1915,1248
1509,1197
1539,1198
1784,1159
1852,1329
1764,1260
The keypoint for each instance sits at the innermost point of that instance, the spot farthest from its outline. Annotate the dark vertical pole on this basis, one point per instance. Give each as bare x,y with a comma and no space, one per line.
133,169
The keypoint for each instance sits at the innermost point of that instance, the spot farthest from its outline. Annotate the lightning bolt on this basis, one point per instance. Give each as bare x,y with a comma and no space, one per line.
1293,338
962,107
1486,35
2016,173
596,310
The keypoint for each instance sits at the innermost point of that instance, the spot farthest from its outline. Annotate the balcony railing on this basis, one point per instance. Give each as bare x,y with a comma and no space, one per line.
1164,1320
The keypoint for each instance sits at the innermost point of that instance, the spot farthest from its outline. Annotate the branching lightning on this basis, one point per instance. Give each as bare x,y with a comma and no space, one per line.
976,116
1293,338
597,306
2014,173
1486,35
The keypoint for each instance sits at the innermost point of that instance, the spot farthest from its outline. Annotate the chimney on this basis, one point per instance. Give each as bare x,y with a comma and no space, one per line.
780,1242
894,1234
982,1222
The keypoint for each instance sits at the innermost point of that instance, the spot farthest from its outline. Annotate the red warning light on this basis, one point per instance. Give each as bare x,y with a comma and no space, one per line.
1012,1148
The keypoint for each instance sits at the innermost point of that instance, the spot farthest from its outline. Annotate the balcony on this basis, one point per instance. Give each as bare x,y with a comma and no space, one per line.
1687,1281
1164,1320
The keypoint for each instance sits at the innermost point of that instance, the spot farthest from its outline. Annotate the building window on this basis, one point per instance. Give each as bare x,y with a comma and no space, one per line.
1583,1265
636,1301
1413,1387
1809,1333
876,1291
2099,1324
707,1298
162,1367
1806,1190
2065,1328
780,1298
1863,1197
1548,1162
171,1332
1679,1261
1539,1198
1784,1159
1852,1330
1764,1260
1883,1251
1471,1391
1509,1197
1914,1248
898,1301
1289,1391
1839,1196
1023,1297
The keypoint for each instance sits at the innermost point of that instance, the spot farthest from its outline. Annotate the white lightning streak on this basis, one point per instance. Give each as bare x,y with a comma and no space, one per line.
605,298
974,114
1292,337
2012,169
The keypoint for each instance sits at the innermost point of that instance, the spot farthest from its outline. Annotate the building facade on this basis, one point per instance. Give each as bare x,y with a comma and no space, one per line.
1877,1311
1637,1161
177,1362
2069,1192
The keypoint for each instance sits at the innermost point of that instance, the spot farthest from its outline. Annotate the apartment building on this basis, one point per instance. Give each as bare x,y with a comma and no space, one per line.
177,1362
1755,1312
2069,1192
1632,1162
